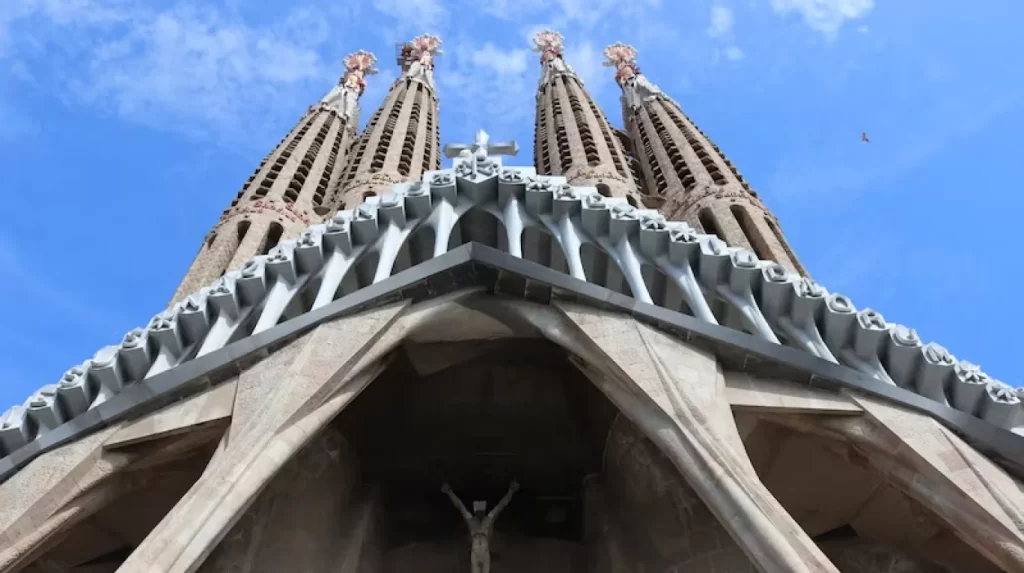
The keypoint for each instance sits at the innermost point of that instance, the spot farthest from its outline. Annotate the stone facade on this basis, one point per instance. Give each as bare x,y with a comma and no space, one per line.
638,452
265,426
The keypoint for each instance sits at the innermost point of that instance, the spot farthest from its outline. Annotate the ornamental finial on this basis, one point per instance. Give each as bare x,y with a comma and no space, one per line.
549,43
358,65
423,48
622,57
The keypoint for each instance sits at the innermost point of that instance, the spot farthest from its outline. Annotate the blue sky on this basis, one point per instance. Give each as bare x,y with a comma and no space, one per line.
127,126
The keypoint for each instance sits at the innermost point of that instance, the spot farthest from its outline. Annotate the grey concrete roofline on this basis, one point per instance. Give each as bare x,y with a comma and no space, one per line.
507,275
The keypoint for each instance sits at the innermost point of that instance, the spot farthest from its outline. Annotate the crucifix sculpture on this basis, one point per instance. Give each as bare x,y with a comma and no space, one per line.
481,525
481,147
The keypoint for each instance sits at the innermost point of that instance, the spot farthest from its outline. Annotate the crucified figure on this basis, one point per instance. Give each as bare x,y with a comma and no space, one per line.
480,525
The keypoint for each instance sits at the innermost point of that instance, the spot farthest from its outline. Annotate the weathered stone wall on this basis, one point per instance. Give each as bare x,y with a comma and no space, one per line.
642,516
865,556
308,519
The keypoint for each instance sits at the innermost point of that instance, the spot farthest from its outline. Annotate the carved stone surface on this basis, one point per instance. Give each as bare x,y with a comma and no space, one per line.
676,395
925,460
862,556
302,520
271,423
654,517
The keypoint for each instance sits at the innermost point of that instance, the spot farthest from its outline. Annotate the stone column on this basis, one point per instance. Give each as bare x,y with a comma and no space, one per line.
676,395
976,498
281,403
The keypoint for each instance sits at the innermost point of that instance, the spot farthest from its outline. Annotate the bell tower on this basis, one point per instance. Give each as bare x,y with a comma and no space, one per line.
573,138
290,188
688,176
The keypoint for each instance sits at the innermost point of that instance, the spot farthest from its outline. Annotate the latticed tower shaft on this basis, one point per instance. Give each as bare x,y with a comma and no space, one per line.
291,187
689,176
402,139
573,137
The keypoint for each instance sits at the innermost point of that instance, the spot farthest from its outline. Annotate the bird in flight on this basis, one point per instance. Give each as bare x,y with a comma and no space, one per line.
864,137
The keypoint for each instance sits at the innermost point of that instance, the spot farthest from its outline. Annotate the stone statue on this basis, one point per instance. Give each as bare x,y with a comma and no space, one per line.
480,525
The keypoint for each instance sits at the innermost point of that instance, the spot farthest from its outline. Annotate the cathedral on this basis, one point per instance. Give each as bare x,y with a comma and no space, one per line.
608,361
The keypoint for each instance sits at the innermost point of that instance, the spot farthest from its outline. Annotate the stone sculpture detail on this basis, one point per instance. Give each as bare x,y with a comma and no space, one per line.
636,87
344,97
550,44
474,159
481,525
719,284
419,54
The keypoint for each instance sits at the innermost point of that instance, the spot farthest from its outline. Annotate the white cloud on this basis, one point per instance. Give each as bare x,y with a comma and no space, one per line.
733,53
485,86
722,30
502,62
65,13
412,18
586,60
191,68
197,69
825,16
721,22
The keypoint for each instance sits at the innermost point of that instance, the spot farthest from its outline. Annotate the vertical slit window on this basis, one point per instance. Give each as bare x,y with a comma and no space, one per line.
273,237
709,224
757,242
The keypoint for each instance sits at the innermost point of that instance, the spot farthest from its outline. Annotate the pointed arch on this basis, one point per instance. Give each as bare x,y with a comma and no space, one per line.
601,269
478,226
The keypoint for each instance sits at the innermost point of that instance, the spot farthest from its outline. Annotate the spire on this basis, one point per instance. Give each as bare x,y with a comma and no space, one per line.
401,140
344,97
635,86
550,45
685,175
572,137
417,58
291,186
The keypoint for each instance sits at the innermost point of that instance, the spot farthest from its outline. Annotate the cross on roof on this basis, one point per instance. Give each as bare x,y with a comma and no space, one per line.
481,143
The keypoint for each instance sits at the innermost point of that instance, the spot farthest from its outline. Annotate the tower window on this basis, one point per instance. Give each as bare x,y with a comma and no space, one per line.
785,245
632,200
708,223
604,190
753,234
243,228
273,237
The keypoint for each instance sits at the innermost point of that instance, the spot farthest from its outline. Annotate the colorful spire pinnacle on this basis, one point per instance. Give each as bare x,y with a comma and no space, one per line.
549,43
358,65
423,48
622,57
